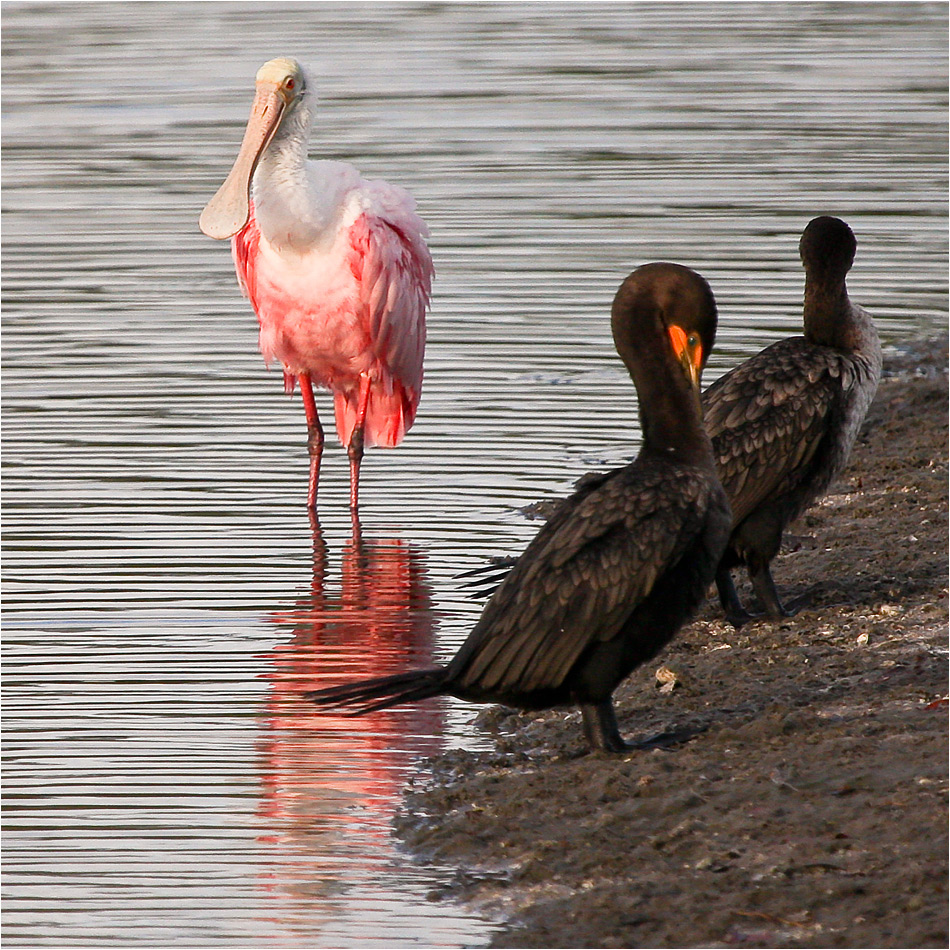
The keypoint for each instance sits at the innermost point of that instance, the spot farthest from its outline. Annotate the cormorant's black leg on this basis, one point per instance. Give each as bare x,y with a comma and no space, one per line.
600,727
761,578
736,614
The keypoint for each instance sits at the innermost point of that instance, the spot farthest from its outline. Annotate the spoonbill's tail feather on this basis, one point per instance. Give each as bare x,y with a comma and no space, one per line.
388,414
384,691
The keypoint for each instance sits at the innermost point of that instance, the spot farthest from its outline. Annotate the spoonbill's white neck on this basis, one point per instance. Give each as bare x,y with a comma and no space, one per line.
294,203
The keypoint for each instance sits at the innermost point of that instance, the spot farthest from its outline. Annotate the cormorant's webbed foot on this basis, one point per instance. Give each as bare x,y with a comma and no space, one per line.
738,618
671,738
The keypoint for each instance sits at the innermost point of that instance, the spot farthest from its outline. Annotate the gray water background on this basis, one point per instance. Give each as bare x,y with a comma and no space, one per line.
165,596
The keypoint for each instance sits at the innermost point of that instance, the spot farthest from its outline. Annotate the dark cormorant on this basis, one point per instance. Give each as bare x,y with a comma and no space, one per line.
623,563
783,423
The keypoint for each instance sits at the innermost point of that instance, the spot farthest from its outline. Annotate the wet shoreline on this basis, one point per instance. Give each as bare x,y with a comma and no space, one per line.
807,805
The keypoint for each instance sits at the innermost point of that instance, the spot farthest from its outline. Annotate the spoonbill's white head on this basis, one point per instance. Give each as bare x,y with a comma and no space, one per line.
280,105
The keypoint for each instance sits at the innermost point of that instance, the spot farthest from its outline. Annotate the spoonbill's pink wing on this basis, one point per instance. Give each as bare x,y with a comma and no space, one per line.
393,270
244,250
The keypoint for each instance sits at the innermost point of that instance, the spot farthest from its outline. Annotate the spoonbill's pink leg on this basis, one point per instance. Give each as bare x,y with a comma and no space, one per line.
314,437
355,448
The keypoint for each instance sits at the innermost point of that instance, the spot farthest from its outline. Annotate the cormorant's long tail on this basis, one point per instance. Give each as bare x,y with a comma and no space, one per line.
381,693
485,580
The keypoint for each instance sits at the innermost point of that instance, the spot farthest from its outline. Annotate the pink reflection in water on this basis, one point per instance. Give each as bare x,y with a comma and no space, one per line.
331,783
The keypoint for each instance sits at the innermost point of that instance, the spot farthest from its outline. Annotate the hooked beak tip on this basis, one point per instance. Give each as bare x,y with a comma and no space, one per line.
695,371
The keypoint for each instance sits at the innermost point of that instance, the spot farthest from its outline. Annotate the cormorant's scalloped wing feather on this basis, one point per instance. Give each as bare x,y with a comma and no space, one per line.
582,577
768,416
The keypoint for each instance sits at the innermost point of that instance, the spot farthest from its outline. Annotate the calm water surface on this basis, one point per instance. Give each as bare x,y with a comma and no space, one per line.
166,596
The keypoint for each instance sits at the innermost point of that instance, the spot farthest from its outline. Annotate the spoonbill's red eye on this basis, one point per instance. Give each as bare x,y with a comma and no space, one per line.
289,84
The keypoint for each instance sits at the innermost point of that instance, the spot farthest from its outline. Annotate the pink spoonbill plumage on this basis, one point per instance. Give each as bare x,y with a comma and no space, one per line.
337,270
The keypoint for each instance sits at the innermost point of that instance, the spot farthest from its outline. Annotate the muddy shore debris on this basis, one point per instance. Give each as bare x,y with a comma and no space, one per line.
792,788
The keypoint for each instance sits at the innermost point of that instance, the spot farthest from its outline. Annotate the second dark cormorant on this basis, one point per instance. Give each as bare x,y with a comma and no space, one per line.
623,563
783,423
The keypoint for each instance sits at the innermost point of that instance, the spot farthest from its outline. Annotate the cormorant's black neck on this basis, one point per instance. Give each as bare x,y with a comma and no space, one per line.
652,299
827,248
670,418
670,414
828,316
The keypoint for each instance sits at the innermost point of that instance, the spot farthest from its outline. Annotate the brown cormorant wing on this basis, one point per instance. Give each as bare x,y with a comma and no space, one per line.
767,418
590,566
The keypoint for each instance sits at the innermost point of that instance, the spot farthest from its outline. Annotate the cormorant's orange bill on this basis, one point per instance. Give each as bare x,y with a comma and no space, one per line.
689,351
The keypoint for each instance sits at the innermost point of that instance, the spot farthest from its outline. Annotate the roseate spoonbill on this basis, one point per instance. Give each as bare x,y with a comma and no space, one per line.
336,267
623,563
783,423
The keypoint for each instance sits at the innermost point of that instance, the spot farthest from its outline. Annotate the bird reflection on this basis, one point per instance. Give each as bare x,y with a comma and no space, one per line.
332,783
